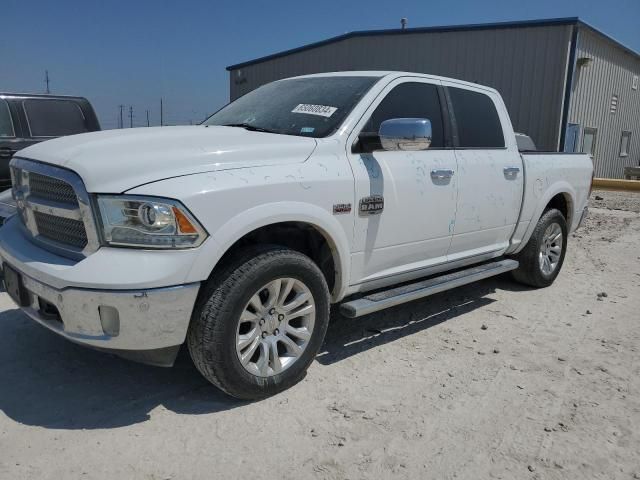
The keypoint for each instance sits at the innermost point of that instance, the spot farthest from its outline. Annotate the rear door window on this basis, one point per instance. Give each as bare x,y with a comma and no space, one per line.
410,100
6,123
476,118
54,118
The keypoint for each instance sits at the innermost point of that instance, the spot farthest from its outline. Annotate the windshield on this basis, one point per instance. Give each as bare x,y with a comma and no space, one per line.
309,107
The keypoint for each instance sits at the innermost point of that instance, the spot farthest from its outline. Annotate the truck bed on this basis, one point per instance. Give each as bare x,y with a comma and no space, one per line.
547,174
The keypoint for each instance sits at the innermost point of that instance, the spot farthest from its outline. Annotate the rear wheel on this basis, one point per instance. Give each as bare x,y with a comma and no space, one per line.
542,258
259,322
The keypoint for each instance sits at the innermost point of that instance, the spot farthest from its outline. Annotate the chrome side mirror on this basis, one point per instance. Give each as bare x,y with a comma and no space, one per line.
407,134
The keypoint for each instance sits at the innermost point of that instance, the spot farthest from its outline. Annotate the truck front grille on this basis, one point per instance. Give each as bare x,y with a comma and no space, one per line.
54,208
61,230
49,188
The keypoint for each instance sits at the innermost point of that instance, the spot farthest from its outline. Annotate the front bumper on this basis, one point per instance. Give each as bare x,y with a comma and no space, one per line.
135,303
143,325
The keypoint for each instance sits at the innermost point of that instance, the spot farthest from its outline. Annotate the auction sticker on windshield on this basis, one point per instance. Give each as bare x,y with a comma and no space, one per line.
322,110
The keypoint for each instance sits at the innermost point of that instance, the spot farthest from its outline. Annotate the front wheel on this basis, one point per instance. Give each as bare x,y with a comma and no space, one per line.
260,322
542,258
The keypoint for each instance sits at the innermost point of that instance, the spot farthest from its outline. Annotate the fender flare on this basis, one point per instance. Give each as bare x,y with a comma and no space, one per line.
560,187
272,213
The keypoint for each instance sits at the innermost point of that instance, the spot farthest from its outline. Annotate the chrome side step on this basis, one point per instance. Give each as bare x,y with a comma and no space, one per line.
414,291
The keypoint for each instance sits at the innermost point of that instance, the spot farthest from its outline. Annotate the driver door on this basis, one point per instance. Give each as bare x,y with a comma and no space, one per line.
413,194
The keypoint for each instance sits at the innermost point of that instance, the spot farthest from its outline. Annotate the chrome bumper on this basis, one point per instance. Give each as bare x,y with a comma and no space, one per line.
124,322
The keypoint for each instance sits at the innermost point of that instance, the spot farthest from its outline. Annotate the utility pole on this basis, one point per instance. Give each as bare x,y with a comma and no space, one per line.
46,79
121,124
130,116
148,119
161,113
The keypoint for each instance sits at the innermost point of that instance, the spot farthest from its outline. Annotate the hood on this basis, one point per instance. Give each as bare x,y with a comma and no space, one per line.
114,161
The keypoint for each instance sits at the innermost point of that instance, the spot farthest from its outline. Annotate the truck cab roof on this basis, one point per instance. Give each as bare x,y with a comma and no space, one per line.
392,74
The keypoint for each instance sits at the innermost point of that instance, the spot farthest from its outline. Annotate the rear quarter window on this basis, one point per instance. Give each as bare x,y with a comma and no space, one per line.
6,123
476,118
54,118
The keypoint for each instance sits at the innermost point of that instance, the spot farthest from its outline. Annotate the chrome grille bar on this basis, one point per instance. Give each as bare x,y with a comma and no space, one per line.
59,229
54,207
53,189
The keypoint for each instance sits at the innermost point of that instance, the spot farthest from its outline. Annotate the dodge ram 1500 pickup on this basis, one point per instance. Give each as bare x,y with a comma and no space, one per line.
364,189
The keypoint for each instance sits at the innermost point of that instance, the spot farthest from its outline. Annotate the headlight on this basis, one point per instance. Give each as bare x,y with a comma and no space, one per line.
149,222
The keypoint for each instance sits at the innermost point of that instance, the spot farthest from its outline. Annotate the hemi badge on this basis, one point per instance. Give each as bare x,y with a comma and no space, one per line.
341,208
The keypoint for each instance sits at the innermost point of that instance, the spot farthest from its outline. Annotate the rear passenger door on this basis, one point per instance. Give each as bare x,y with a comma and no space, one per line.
490,177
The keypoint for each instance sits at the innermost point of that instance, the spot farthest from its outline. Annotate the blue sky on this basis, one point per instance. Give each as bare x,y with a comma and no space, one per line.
132,53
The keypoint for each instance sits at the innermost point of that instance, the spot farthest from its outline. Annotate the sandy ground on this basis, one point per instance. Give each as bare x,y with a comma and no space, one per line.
488,381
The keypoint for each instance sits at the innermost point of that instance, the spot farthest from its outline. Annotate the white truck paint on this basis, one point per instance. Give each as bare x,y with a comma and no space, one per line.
234,181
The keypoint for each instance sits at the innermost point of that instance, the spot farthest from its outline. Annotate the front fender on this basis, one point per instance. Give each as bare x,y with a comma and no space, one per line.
269,214
230,204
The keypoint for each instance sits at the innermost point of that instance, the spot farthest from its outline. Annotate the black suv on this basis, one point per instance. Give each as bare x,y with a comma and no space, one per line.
26,119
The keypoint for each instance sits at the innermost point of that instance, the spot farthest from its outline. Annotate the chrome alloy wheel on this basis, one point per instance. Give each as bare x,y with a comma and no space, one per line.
550,249
275,327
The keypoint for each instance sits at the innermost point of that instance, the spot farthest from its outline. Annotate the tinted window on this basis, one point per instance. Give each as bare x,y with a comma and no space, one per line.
410,100
310,107
477,119
6,125
54,118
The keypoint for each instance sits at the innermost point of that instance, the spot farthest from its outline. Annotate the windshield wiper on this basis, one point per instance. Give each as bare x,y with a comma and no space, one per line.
248,126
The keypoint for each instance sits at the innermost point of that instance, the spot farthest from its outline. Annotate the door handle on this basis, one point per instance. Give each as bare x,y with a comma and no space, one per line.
441,174
511,172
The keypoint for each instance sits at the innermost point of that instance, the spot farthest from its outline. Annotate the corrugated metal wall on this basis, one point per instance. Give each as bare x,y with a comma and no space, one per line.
610,73
526,64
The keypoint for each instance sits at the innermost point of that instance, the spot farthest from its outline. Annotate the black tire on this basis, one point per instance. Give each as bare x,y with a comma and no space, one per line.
530,272
212,333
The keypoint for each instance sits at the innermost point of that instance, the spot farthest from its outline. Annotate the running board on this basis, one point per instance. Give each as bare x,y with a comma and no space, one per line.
414,291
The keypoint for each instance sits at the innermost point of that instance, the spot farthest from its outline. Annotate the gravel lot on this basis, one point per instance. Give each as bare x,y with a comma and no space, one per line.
488,381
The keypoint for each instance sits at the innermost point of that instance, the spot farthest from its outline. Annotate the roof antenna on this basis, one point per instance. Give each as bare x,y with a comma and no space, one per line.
403,23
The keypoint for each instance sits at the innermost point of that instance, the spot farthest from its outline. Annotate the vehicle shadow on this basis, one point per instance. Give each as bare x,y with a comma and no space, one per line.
349,336
49,382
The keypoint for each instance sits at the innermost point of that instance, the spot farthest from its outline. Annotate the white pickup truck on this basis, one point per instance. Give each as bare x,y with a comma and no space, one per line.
368,189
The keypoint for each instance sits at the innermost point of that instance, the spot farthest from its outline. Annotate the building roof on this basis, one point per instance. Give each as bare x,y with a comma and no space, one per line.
450,28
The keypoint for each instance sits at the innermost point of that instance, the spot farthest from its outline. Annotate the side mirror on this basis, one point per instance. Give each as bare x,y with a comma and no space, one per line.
408,134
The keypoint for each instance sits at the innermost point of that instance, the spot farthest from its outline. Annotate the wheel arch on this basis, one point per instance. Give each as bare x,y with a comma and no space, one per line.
298,226
562,201
560,195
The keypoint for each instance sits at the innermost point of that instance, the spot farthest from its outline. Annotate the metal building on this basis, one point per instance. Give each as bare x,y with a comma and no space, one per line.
567,85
